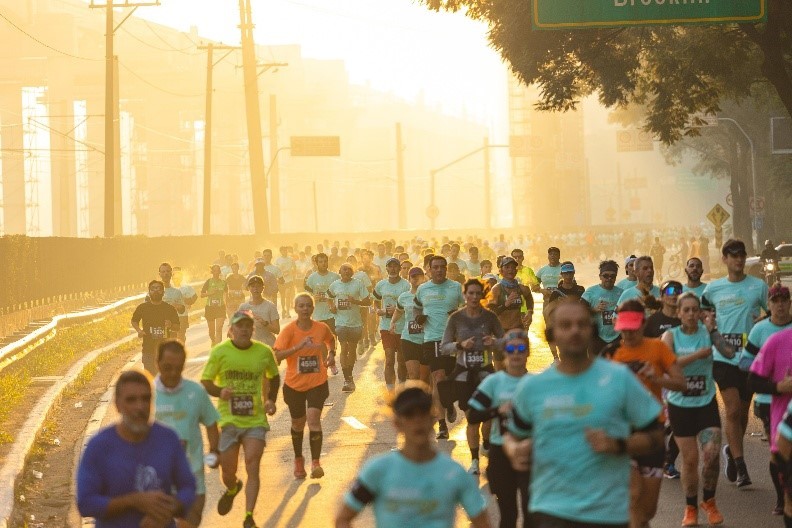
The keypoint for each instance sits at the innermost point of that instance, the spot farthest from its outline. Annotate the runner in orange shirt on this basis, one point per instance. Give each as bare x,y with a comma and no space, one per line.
308,347
656,366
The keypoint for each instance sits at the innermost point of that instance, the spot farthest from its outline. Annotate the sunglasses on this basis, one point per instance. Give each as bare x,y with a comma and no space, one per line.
672,290
511,349
608,276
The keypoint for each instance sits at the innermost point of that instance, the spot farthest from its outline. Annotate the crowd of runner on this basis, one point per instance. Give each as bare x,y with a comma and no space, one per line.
630,398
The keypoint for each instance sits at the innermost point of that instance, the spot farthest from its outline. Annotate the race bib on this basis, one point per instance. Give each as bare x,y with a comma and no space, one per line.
696,386
344,304
242,405
735,340
474,358
236,293
214,302
607,317
157,332
517,302
413,328
308,364
320,296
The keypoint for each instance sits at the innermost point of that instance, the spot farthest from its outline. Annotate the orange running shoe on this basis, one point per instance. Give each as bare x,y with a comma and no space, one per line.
691,516
299,468
714,516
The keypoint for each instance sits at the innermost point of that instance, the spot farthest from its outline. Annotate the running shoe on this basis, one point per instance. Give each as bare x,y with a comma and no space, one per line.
249,522
474,467
484,451
442,433
299,468
316,470
451,414
779,509
691,516
730,467
227,499
349,386
743,480
670,471
714,516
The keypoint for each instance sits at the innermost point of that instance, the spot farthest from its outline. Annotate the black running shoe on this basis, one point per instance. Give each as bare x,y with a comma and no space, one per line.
227,499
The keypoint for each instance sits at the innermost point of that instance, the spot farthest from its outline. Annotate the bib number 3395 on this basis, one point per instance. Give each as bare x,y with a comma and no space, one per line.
242,405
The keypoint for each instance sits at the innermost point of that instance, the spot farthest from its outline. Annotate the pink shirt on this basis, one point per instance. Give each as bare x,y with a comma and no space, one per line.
774,362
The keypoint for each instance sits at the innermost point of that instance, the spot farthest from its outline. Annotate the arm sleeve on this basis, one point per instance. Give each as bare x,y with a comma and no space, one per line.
364,490
90,501
480,405
274,386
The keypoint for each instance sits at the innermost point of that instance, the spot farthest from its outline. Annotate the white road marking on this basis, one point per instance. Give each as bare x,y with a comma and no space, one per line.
354,423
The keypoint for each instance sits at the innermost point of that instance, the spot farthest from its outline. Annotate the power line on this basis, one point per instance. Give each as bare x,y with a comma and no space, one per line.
67,54
150,45
192,45
161,89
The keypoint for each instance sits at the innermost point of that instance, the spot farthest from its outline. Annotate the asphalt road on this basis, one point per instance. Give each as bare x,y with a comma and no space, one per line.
357,426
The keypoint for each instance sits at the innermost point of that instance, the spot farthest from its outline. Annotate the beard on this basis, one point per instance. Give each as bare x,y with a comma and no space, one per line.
134,426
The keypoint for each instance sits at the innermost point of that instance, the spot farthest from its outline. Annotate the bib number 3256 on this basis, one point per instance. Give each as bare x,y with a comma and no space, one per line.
242,405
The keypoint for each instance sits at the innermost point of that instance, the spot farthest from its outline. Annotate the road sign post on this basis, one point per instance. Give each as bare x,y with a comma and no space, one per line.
577,14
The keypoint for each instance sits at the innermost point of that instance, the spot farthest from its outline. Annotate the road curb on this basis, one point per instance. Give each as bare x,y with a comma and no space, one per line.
17,457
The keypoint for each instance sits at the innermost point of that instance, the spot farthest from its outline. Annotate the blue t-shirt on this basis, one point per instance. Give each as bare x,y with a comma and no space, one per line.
550,276
317,285
635,293
594,295
698,290
347,314
556,409
438,302
737,305
411,331
111,467
494,391
758,336
626,283
473,268
698,375
407,493
388,294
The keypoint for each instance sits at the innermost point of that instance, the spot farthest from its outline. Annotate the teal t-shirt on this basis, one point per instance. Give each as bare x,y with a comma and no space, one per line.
698,375
411,331
626,283
473,268
698,290
388,294
737,305
363,277
556,409
550,276
407,493
184,410
635,293
594,295
347,314
461,263
758,336
317,285
438,302
494,391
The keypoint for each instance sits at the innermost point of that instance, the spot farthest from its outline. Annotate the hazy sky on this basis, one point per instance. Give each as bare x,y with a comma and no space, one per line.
394,45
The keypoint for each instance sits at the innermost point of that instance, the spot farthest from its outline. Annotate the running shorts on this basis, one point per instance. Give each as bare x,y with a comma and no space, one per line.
731,377
313,398
690,421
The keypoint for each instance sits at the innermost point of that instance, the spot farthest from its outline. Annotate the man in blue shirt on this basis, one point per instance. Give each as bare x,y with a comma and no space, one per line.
134,473
585,416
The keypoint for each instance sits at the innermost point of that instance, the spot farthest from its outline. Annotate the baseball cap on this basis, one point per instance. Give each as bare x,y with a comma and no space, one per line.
567,267
255,278
490,276
259,261
241,315
628,321
507,260
733,247
778,291
415,271
629,259
392,259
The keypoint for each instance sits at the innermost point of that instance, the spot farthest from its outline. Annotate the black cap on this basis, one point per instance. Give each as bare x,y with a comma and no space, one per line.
733,247
412,400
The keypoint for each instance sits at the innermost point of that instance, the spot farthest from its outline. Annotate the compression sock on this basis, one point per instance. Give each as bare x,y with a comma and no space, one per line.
775,477
708,494
297,442
442,424
347,374
692,501
315,439
485,444
474,453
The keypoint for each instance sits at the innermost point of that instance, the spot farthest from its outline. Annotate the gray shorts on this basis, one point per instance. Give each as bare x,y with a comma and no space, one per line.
231,435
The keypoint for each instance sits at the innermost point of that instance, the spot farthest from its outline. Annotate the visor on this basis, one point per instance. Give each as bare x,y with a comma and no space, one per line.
628,321
568,268
778,291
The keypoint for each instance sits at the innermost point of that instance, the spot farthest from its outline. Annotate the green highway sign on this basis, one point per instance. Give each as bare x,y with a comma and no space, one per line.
587,14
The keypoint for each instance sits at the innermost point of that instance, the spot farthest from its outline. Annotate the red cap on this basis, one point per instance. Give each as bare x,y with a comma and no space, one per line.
628,321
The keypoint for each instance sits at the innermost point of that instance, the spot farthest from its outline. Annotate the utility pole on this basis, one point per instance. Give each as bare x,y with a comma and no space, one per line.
400,178
274,179
112,211
258,182
487,186
207,183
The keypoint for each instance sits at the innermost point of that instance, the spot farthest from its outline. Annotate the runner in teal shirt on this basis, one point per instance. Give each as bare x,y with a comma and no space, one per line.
437,300
644,272
629,268
417,485
317,285
603,299
694,269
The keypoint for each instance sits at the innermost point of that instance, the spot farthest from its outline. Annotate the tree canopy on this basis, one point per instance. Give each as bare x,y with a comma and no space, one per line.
675,72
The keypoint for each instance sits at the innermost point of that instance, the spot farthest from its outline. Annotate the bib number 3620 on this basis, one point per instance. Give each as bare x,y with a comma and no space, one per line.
242,405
